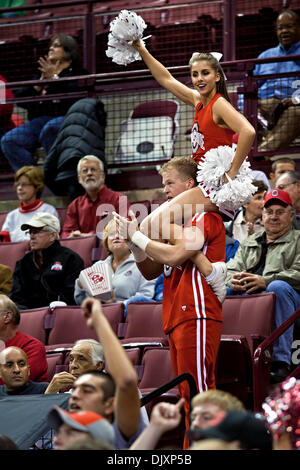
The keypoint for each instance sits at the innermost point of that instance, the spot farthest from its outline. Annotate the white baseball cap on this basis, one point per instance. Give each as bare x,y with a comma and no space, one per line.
42,219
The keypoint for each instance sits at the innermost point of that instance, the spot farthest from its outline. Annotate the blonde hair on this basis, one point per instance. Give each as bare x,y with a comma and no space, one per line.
214,444
224,400
185,166
105,233
36,176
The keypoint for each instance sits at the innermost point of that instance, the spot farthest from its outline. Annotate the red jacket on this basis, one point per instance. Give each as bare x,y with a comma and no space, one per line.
84,214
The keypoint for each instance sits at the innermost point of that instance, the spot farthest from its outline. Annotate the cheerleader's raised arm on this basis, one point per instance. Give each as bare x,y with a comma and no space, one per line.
224,175
165,78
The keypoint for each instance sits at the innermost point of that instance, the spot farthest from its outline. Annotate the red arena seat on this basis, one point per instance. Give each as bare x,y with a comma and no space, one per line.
10,253
83,246
53,360
250,316
69,325
143,324
33,323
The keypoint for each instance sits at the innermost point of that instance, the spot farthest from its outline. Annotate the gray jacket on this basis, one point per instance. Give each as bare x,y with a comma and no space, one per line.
127,282
282,260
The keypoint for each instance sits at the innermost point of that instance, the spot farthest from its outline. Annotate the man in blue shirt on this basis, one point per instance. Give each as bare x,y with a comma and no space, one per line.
279,98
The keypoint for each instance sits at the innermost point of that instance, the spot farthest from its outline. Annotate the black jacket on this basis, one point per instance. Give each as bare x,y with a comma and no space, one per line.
82,133
34,287
52,107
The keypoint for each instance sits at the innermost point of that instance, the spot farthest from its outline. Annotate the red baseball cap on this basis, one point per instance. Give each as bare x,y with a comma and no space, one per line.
279,196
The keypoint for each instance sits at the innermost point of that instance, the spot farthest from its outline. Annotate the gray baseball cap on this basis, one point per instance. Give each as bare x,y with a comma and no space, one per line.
85,421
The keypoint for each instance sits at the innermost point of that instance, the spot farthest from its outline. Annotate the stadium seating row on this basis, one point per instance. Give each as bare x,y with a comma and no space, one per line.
247,321
62,211
89,248
183,27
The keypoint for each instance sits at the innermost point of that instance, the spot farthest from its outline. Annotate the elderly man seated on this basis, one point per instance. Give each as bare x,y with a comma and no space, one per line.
85,212
86,355
48,272
269,261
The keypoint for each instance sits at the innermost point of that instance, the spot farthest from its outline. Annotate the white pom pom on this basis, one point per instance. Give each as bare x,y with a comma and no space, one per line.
124,29
234,194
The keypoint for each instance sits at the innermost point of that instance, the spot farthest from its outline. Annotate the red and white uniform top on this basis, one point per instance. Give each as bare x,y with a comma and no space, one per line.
186,294
206,134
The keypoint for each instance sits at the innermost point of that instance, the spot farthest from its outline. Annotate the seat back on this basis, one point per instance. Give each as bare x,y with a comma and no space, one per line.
134,355
157,368
69,326
250,316
53,361
10,253
33,323
144,319
234,368
114,314
156,108
99,253
83,246
149,133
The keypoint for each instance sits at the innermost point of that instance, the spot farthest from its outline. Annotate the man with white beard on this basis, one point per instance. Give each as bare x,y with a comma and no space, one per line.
85,212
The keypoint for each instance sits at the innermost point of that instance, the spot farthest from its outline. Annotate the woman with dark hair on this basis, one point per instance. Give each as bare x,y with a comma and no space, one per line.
44,117
29,185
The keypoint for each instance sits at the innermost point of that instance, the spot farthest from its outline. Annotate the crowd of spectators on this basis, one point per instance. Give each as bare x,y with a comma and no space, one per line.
262,255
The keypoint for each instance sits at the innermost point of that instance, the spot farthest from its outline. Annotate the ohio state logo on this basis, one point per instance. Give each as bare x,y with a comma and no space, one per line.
57,266
96,278
197,138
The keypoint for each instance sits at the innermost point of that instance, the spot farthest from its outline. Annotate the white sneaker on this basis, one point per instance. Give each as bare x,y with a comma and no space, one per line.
218,282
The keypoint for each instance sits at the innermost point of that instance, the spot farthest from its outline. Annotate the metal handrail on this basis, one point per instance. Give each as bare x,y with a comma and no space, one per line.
171,384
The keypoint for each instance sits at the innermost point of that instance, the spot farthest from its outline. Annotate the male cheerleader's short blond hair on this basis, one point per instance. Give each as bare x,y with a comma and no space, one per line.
224,400
185,166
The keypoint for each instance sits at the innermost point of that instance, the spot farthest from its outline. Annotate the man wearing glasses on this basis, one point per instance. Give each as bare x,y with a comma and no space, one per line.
48,272
269,261
85,212
290,182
